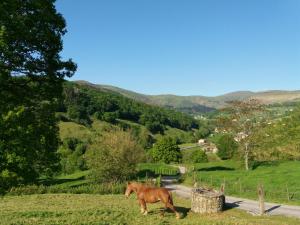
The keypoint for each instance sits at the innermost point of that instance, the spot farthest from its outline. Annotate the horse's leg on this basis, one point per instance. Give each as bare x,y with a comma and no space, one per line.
162,212
171,206
143,206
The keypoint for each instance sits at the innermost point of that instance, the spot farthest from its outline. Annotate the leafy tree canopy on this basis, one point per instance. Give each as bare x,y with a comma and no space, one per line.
31,76
166,150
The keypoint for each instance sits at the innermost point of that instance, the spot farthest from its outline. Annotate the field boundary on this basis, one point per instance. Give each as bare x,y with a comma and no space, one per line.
248,205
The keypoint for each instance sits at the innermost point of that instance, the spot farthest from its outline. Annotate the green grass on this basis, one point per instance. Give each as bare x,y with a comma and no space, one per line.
157,169
113,209
74,130
76,183
187,145
183,136
276,178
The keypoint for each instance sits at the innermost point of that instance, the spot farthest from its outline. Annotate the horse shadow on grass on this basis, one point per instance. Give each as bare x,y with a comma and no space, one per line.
182,210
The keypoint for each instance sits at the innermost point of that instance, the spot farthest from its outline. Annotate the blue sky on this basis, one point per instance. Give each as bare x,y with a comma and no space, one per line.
185,47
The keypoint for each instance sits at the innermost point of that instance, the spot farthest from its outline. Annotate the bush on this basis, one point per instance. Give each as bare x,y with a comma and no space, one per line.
155,127
202,132
227,146
114,156
71,155
196,155
110,117
166,150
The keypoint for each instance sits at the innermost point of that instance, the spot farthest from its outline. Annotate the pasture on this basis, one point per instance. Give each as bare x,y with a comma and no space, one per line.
58,209
281,180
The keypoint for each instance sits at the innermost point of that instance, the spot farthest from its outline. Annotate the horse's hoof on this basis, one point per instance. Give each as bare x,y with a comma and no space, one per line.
145,213
178,216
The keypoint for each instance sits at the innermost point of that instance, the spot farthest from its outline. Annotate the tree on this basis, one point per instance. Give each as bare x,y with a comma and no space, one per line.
202,132
194,156
166,150
31,76
227,146
242,119
114,157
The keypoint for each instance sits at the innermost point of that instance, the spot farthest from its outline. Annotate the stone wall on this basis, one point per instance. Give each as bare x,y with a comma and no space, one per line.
207,201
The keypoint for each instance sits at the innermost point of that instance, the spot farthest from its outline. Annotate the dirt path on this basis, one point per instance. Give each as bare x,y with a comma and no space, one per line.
248,205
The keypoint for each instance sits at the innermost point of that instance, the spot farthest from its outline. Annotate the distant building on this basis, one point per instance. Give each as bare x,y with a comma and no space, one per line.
207,146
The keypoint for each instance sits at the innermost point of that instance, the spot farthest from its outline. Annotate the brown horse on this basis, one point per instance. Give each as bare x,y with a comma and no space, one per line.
146,194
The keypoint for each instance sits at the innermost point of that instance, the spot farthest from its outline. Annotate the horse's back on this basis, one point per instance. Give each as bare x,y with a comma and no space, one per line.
154,194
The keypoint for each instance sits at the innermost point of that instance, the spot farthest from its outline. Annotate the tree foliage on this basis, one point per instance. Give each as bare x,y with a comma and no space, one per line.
31,76
242,119
81,102
227,146
166,150
114,157
279,139
194,156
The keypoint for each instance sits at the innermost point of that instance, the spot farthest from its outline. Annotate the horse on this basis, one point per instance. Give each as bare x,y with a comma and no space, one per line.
146,194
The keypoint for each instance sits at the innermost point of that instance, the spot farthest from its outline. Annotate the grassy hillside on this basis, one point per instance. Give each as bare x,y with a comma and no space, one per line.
114,209
203,104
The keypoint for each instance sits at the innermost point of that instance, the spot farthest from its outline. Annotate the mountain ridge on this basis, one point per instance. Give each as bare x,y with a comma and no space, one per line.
199,103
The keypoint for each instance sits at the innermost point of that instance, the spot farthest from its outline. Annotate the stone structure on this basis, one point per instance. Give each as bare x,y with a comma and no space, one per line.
207,201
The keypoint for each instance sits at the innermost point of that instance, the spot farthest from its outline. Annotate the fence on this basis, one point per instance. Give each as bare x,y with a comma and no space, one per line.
237,187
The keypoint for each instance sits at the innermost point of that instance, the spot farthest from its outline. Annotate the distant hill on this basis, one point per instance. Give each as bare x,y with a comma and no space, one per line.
202,104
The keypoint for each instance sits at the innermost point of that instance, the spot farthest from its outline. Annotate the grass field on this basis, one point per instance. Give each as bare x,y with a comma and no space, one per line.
281,180
153,169
113,209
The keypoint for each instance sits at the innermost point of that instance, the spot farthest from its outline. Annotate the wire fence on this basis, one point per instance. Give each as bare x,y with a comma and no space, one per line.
284,193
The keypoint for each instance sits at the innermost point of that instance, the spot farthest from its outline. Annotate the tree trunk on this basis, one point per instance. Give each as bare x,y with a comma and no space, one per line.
246,157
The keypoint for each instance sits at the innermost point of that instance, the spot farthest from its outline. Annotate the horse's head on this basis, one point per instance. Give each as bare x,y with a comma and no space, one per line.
131,187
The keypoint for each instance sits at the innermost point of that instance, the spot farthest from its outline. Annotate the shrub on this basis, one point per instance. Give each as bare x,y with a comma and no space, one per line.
196,155
227,146
71,154
166,150
114,156
202,132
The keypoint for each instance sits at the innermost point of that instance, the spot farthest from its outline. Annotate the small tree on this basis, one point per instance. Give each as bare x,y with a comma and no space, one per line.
202,132
166,150
242,119
114,156
198,156
227,146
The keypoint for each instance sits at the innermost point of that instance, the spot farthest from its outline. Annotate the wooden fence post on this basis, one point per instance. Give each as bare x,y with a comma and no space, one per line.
261,198
222,189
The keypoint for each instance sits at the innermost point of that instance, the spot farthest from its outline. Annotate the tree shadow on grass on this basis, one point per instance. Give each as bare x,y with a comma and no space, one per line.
257,164
49,182
233,205
145,173
216,168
